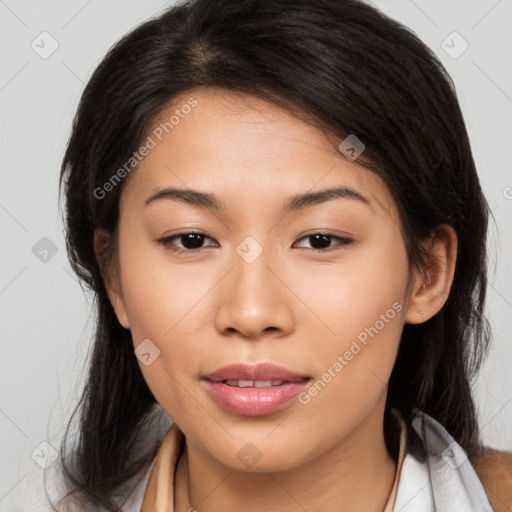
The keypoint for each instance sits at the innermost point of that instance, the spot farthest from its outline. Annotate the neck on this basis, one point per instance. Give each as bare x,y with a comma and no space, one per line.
355,474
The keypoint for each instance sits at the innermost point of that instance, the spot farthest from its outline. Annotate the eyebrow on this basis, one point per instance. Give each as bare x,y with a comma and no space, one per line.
297,202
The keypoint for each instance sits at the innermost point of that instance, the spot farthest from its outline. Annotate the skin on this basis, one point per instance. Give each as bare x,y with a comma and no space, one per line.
293,306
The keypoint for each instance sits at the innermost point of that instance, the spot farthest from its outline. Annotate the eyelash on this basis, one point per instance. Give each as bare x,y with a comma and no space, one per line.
167,241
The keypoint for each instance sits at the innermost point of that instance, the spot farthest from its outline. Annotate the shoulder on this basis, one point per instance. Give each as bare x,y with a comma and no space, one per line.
494,469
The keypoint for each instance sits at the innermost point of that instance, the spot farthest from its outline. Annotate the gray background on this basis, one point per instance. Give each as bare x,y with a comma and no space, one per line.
46,317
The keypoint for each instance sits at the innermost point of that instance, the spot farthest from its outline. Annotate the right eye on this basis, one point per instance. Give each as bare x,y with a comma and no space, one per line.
191,241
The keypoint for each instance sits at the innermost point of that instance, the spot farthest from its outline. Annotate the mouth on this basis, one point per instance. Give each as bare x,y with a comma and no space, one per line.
253,390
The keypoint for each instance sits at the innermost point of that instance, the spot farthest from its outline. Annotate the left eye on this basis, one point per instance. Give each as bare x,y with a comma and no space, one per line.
192,241
322,240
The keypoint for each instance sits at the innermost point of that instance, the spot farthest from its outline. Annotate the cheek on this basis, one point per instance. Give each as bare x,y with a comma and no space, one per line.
159,304
350,296
353,365
161,308
159,297
363,305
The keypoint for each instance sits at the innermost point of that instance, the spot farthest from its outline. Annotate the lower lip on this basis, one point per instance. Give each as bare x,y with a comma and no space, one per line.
254,401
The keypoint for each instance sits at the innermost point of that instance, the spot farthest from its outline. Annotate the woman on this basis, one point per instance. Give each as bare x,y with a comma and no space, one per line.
276,206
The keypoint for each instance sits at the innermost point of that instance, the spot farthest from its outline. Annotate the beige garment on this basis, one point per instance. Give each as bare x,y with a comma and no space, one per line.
159,495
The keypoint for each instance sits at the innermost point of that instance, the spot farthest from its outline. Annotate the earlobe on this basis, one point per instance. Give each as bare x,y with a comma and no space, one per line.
110,276
432,285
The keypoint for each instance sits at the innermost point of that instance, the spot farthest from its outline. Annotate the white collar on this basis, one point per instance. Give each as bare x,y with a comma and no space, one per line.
436,475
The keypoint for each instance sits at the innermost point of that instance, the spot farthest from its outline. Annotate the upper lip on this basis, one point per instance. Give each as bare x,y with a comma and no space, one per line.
262,371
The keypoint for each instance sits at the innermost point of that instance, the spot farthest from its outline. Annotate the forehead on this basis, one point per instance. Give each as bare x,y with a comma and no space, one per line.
235,144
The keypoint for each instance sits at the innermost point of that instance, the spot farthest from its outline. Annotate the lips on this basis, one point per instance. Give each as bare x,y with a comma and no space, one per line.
258,372
254,390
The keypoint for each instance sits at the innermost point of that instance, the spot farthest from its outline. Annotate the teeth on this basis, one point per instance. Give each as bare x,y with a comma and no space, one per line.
262,383
253,383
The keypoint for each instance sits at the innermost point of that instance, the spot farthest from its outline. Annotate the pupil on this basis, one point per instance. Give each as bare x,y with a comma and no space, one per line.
316,238
192,240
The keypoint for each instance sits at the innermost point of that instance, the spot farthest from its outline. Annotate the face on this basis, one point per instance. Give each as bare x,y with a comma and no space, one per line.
317,287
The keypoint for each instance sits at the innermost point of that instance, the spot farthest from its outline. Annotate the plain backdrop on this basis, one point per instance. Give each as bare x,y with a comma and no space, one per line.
48,51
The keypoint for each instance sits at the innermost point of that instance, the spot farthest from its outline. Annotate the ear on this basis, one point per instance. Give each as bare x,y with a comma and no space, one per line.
110,275
431,286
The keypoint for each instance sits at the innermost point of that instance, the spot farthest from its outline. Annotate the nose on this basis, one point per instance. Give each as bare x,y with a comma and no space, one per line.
254,299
